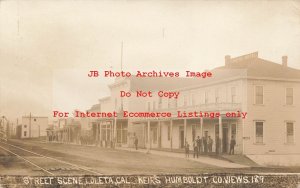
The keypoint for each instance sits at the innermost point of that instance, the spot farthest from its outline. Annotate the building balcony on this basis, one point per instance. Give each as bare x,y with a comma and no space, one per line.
203,107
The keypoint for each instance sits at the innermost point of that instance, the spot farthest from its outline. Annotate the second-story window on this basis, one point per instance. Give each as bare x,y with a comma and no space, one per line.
233,95
289,100
193,102
122,104
259,95
217,99
148,106
206,97
159,102
184,100
116,103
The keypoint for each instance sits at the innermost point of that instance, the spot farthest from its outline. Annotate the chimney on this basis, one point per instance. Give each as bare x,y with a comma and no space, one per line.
227,60
284,61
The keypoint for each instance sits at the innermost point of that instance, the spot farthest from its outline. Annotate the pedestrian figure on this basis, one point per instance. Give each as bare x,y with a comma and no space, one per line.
210,144
204,140
136,141
199,145
232,144
187,150
195,149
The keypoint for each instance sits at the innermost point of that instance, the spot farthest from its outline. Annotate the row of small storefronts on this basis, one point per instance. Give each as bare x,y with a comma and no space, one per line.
168,134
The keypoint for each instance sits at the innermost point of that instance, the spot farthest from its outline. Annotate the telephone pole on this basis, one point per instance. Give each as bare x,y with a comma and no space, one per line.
122,56
30,125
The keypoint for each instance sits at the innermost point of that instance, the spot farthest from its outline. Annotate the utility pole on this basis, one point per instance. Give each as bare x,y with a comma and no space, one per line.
30,125
121,110
148,136
122,56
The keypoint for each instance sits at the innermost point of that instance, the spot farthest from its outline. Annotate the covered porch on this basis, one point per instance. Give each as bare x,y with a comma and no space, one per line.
172,134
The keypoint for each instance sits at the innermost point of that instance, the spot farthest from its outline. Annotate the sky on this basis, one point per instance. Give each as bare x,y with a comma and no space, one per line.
48,47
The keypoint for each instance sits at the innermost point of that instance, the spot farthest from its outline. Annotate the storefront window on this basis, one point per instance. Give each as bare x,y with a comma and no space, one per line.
122,132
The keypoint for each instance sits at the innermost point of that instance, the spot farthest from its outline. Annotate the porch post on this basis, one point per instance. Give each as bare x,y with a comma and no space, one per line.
100,133
69,132
201,128
111,131
159,134
96,139
115,132
171,134
221,133
148,137
243,134
106,134
184,123
99,129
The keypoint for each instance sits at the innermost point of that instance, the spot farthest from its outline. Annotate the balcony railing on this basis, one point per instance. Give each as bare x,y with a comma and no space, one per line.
205,107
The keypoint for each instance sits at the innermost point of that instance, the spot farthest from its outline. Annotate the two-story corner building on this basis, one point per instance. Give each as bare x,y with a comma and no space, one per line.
34,126
266,91
272,104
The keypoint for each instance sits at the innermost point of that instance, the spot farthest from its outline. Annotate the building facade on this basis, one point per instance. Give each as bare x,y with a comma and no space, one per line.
34,126
257,102
268,92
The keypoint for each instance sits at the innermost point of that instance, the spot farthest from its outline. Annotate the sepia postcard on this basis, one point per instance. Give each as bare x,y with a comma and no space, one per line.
146,93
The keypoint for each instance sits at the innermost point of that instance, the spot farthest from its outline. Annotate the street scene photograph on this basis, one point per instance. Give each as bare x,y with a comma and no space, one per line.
149,93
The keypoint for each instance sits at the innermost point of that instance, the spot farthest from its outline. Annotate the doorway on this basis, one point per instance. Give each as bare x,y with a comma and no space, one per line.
153,137
181,137
225,139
